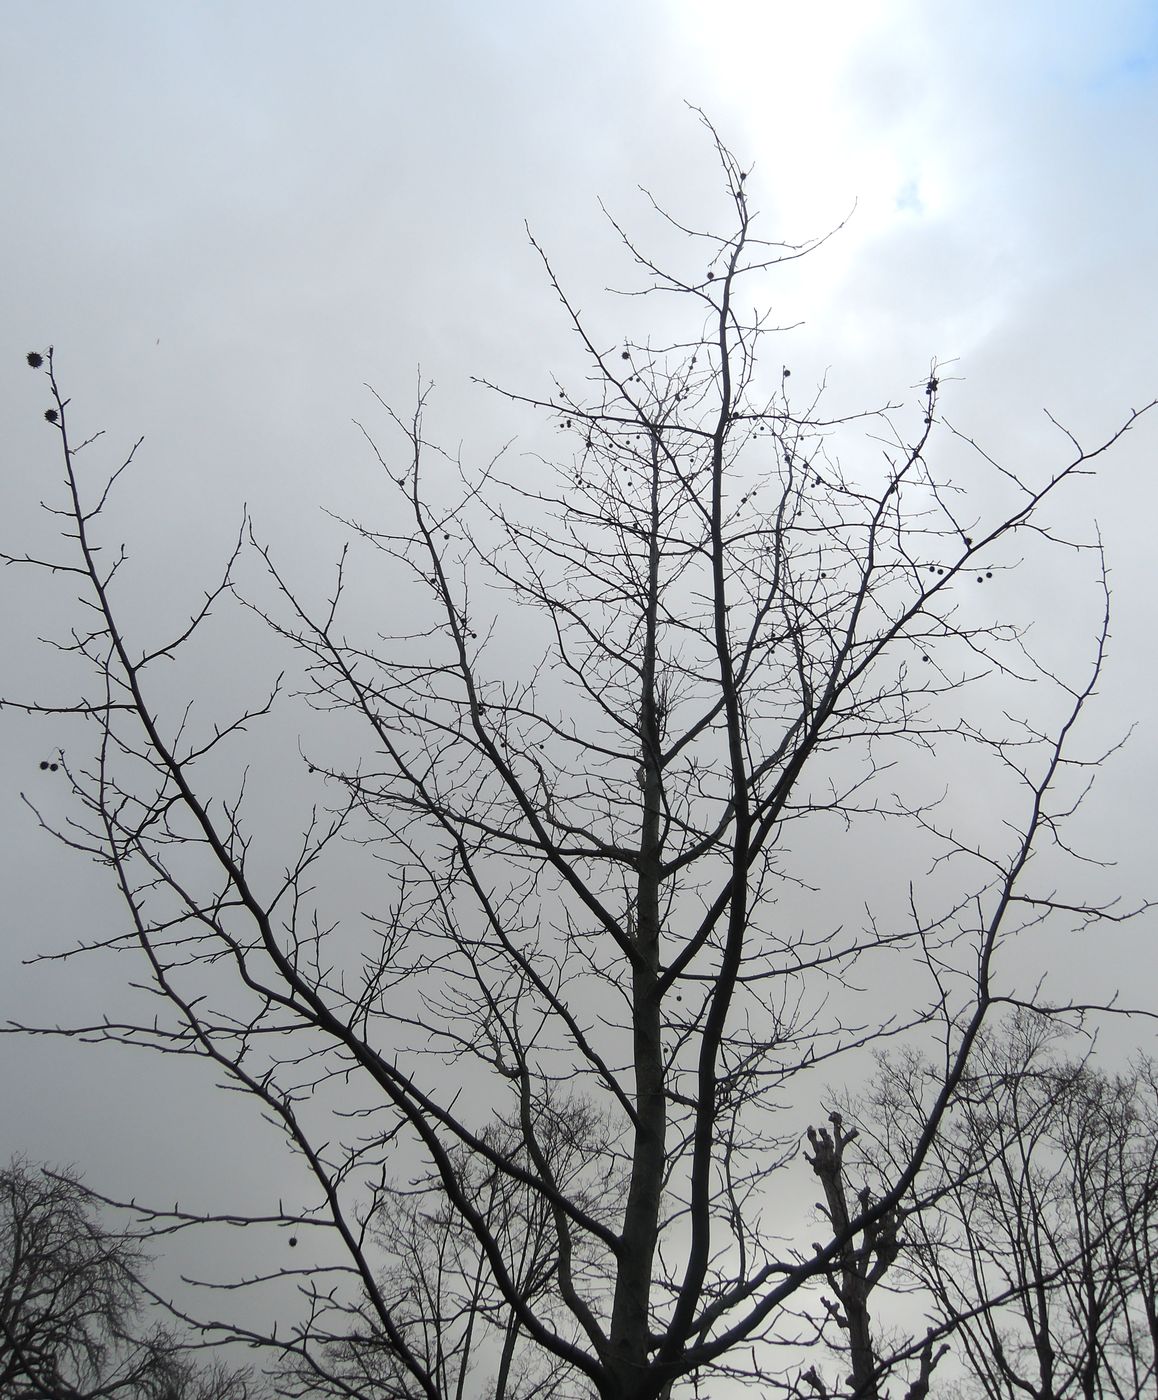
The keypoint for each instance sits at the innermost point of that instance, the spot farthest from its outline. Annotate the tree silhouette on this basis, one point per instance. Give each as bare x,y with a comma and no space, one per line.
1033,1229
73,1305
610,731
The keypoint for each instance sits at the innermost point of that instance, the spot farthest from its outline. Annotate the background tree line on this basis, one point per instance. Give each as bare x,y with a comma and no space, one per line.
1030,1245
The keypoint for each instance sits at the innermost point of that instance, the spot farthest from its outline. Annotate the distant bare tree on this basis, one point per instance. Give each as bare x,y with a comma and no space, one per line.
608,731
1034,1227
448,1306
72,1305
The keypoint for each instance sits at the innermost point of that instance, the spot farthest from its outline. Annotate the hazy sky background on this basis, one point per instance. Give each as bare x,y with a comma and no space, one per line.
229,216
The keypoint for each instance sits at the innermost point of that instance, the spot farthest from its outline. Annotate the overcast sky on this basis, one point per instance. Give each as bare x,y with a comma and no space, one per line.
227,217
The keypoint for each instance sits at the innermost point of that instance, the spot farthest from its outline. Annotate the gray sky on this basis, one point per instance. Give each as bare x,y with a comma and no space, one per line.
229,216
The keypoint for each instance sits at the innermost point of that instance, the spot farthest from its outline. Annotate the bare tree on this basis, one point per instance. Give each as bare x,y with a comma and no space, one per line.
596,745
1135,1189
1033,1228
73,1306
